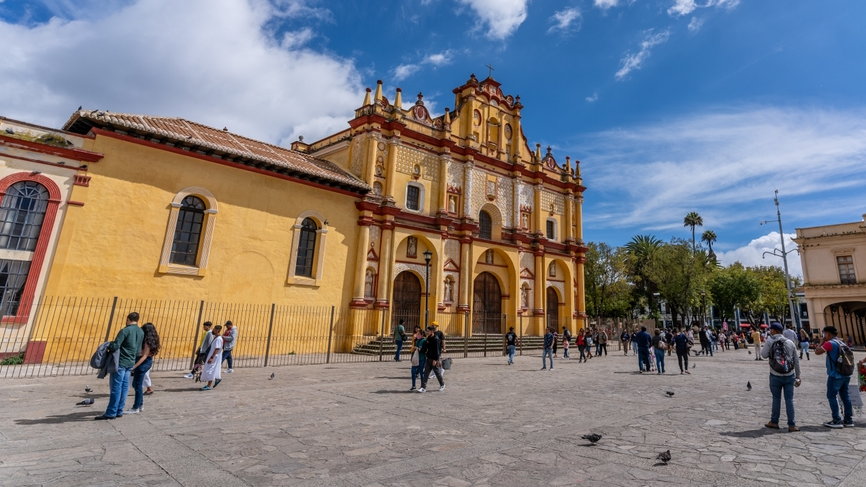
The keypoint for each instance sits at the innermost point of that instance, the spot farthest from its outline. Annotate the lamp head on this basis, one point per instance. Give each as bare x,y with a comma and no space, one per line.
427,256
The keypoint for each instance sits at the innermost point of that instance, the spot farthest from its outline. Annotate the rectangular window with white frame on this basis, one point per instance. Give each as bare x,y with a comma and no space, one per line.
845,263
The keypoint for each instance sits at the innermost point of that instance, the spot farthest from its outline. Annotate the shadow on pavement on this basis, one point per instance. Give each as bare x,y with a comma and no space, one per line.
385,391
63,418
757,433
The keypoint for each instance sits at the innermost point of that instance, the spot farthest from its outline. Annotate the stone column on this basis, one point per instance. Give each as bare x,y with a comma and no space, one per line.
390,164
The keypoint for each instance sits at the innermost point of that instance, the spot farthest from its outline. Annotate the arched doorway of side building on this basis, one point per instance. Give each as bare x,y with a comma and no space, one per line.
486,304
407,301
849,318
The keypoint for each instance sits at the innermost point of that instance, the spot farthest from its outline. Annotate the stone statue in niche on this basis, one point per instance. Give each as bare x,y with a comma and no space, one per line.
380,170
449,290
524,296
412,247
488,257
452,204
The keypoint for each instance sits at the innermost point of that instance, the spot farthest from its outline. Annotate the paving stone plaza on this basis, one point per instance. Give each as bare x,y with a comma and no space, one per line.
356,425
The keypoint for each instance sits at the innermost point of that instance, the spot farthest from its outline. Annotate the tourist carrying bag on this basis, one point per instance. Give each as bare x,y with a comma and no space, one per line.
446,363
415,360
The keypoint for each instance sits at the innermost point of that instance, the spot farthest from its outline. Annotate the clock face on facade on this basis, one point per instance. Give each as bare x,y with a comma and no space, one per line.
508,131
476,117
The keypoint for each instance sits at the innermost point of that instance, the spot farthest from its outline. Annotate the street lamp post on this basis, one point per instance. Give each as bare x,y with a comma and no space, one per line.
795,317
427,256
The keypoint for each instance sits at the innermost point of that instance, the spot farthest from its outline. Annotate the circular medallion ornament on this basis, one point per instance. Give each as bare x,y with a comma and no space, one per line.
476,117
419,112
508,131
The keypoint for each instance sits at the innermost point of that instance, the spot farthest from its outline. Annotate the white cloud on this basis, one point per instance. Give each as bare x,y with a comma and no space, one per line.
403,71
501,17
725,164
592,98
695,24
685,7
296,39
605,4
634,60
219,66
440,58
564,19
753,254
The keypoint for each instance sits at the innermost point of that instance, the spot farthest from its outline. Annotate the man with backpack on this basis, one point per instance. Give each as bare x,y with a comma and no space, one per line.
784,374
840,367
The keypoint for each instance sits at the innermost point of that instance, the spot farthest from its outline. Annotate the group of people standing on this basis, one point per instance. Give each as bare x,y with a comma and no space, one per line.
585,340
133,350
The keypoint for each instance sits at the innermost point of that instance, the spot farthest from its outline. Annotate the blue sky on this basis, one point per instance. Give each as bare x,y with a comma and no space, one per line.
672,105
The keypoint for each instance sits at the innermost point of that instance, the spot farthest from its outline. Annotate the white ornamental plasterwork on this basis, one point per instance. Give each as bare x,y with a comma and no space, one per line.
478,198
418,268
408,157
357,166
549,198
525,194
505,201
375,233
527,261
455,174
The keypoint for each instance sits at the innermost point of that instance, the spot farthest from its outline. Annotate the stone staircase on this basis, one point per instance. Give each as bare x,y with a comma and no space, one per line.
492,344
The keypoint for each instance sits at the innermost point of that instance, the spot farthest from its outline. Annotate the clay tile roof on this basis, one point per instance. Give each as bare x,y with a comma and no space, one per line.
203,137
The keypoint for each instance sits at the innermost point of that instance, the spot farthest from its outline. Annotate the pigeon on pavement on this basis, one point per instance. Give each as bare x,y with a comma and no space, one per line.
664,457
670,393
592,438
749,385
273,374
750,352
86,402
87,389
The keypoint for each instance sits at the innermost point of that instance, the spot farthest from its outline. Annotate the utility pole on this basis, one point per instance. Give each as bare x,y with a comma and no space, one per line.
795,317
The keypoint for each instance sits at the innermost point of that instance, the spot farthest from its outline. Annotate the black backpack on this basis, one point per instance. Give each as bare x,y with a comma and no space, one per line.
845,360
779,358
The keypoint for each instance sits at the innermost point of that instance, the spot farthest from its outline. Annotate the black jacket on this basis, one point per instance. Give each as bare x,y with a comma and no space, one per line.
431,347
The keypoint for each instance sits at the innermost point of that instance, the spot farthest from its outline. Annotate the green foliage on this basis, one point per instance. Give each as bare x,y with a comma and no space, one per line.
608,292
680,275
47,139
732,287
692,220
13,360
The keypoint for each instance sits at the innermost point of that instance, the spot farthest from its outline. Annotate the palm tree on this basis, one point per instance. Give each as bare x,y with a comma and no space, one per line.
709,237
639,252
693,220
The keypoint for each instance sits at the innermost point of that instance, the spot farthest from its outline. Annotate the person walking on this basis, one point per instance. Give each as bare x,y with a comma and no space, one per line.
644,342
417,354
756,342
399,338
804,343
549,342
212,371
790,334
201,351
580,341
230,339
660,346
510,345
682,344
704,338
624,340
838,379
784,375
565,344
669,339
432,350
602,342
128,342
149,348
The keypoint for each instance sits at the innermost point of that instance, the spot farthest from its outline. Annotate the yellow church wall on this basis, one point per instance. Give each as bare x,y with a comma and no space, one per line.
112,246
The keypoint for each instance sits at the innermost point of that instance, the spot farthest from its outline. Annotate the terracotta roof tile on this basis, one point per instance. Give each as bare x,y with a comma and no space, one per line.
198,135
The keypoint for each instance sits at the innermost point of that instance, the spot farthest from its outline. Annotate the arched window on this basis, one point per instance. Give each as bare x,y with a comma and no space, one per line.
187,232
21,215
485,225
306,248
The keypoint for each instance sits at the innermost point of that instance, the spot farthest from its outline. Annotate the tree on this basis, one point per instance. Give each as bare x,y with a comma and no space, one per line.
680,275
607,290
709,237
734,287
692,220
638,253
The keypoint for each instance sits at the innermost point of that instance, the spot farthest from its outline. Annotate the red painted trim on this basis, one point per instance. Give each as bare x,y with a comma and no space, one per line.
39,253
82,180
75,203
77,154
223,162
47,163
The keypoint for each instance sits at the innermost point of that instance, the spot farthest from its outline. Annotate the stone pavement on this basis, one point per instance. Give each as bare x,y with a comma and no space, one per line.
356,425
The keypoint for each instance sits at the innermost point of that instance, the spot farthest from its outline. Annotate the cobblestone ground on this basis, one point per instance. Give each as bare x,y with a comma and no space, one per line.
356,425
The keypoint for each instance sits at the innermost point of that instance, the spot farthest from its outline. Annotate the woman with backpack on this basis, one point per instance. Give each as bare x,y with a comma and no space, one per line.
149,348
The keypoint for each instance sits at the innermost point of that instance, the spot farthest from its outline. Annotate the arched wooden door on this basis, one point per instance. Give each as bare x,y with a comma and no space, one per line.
487,304
552,308
407,301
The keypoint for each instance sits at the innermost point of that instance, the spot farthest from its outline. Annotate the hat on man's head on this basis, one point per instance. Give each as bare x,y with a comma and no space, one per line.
776,326
434,323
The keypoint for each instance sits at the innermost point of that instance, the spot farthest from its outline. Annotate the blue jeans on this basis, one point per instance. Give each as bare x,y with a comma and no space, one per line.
399,348
511,350
839,387
119,386
138,382
227,355
417,370
778,384
660,360
548,352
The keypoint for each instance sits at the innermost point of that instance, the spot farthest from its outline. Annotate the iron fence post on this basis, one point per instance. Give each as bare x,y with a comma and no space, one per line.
195,339
330,337
466,335
382,336
520,342
110,319
270,332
